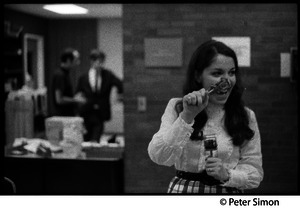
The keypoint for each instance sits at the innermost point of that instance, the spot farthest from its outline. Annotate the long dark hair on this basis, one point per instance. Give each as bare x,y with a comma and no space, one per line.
236,118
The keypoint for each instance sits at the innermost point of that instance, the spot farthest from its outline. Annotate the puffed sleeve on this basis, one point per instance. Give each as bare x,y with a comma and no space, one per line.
249,172
167,144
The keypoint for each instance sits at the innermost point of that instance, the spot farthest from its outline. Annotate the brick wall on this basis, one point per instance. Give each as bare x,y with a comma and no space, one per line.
272,29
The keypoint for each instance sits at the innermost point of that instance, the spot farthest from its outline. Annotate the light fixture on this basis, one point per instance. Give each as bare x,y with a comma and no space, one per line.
66,9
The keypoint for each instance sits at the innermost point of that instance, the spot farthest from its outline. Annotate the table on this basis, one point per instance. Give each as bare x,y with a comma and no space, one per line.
35,175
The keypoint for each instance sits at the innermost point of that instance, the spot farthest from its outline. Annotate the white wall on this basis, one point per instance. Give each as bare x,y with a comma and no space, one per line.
110,41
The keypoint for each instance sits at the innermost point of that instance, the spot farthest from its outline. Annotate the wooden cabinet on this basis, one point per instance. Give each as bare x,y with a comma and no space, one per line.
40,176
93,174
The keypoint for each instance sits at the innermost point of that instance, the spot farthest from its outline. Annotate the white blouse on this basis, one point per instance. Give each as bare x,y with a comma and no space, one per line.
171,145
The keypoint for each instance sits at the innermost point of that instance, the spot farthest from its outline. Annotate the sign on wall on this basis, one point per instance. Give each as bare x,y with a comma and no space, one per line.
285,65
163,52
241,46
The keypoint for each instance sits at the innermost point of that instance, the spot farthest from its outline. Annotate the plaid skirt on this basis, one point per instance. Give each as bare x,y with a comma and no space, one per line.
179,185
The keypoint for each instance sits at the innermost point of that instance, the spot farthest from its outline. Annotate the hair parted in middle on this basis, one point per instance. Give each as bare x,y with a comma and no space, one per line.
97,54
236,117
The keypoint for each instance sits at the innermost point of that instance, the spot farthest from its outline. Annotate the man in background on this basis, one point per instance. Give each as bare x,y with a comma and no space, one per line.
95,87
62,88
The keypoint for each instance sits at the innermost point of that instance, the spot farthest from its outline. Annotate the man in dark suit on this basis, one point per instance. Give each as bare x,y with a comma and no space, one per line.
95,87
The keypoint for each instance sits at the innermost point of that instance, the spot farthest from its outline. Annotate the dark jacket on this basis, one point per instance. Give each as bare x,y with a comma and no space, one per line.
100,99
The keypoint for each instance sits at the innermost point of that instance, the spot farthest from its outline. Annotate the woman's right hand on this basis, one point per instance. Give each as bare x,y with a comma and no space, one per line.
193,104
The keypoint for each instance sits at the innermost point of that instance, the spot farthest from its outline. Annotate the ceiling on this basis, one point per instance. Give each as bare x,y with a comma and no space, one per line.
95,11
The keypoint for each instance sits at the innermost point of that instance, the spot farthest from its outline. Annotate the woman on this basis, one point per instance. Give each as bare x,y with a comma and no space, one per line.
186,123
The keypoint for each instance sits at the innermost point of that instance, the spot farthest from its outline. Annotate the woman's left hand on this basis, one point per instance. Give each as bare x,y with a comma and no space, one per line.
215,168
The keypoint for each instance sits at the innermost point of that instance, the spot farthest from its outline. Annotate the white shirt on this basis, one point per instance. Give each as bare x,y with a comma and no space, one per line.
171,145
92,79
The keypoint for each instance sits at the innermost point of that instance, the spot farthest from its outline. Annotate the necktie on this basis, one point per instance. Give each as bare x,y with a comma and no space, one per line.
97,84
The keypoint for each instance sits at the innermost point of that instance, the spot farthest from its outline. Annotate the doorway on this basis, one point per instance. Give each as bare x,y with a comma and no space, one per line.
34,61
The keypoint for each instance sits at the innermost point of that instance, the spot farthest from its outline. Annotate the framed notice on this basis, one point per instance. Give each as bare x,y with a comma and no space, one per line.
163,52
241,46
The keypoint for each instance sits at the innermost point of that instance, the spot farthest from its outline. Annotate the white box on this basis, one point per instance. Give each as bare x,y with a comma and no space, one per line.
55,127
